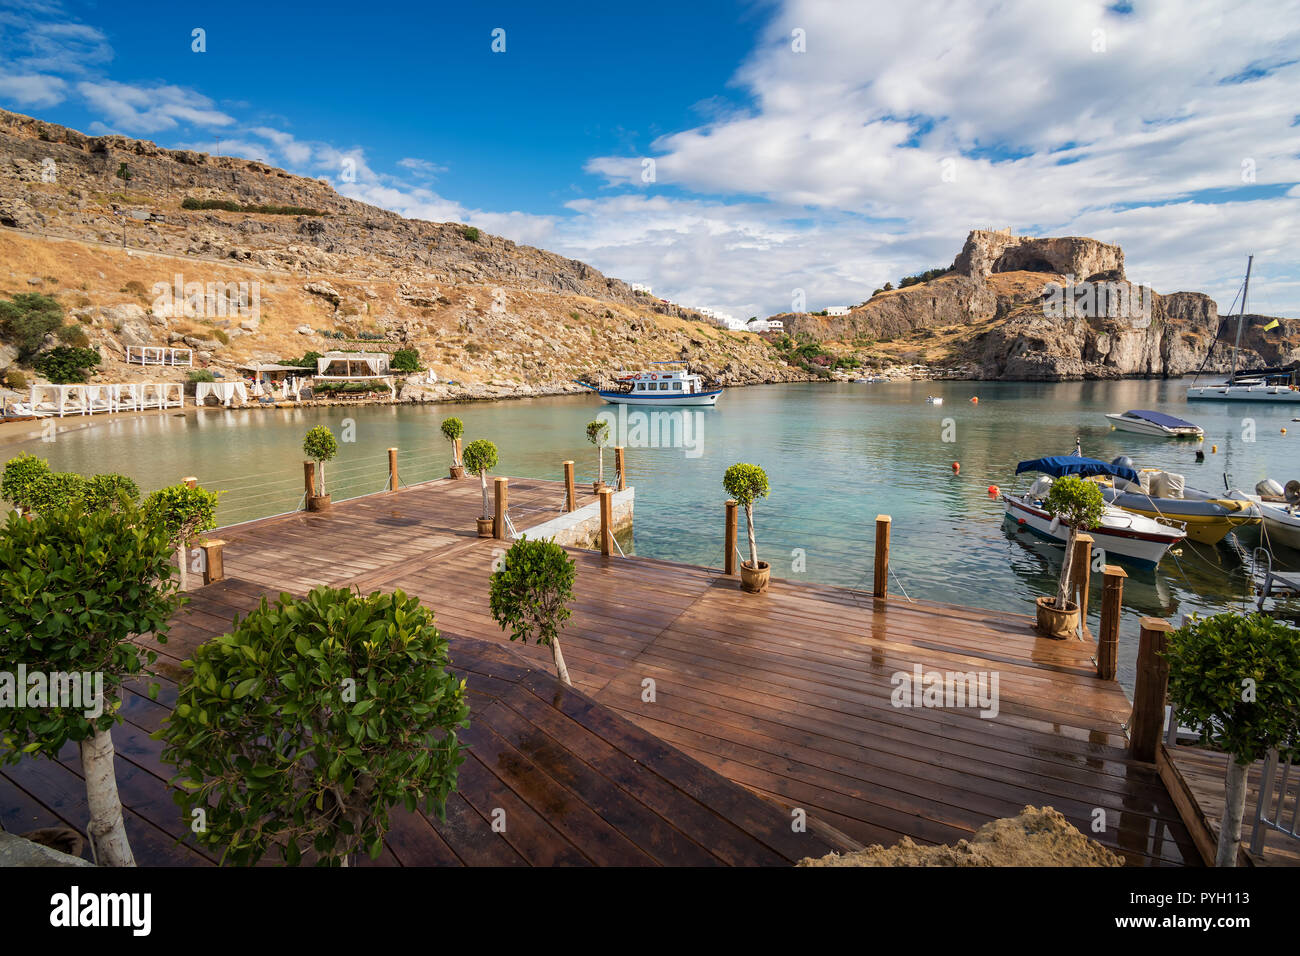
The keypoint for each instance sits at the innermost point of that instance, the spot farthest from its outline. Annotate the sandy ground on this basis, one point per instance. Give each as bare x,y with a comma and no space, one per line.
1034,838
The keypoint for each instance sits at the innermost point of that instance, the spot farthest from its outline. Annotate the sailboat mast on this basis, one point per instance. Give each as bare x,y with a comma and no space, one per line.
1241,317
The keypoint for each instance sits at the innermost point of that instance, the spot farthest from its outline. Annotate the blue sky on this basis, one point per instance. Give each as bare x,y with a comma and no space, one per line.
820,146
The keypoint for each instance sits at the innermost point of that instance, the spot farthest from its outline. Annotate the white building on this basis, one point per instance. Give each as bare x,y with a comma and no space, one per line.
765,325
641,287
837,310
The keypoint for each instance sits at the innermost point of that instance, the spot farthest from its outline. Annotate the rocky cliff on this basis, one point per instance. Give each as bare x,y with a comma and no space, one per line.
102,224
992,315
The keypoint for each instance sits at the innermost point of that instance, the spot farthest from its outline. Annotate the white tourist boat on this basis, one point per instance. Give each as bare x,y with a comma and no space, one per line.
1145,422
1139,539
658,386
1280,384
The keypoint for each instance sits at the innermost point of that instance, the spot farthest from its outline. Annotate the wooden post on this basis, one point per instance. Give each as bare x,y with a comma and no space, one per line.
1112,599
392,469
881,587
1148,719
570,497
620,465
309,478
606,521
729,562
190,482
214,568
503,499
1081,573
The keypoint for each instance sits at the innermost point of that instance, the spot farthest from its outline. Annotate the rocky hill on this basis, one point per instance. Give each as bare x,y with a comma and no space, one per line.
100,222
989,316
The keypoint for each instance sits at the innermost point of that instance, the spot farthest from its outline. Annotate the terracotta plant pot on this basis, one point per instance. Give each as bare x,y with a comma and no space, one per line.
485,527
458,471
754,580
318,502
1054,623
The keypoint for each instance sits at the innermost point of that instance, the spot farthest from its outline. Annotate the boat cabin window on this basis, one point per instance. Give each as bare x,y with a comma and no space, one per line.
677,386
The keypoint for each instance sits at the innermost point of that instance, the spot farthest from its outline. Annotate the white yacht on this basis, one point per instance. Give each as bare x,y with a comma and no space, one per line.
657,386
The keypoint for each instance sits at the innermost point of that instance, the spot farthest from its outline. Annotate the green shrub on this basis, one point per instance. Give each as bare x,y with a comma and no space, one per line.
405,360
1236,678
529,595
200,375
57,491
182,511
65,365
1079,505
106,492
20,477
27,318
75,588
319,445
123,173
452,428
310,720
15,379
73,335
479,457
747,484
470,233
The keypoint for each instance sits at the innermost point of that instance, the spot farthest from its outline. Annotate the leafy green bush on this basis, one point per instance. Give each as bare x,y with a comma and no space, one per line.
470,233
747,484
479,457
20,477
529,595
73,335
310,720
1236,678
64,365
27,318
182,511
922,277
200,375
319,445
123,173
598,435
405,360
308,360
15,379
75,588
57,491
1079,505
106,491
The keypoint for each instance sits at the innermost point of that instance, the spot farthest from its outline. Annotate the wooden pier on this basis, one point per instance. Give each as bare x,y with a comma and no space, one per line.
703,718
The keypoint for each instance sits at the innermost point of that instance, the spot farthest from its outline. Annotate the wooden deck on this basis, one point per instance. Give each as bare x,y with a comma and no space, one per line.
787,694
1197,779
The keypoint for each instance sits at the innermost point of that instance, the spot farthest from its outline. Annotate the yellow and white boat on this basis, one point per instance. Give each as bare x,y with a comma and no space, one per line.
1162,495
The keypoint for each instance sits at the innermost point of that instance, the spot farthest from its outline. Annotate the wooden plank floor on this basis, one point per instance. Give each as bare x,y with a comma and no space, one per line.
1204,774
579,785
787,693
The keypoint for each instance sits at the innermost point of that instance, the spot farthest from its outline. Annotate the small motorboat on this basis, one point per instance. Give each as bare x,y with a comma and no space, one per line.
1145,422
934,399
656,387
1280,509
1141,540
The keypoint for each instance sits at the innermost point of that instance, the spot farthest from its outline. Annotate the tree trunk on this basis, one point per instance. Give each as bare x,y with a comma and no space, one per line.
749,527
106,830
482,478
182,564
1233,810
600,464
561,671
1063,589
320,467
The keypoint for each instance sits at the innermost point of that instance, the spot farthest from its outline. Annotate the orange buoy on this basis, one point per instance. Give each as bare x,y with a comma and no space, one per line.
975,400
1284,431
956,468
993,491
1214,449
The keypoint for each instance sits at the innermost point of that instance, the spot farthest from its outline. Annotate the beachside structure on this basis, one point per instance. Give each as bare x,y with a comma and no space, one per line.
275,380
63,400
158,355
357,367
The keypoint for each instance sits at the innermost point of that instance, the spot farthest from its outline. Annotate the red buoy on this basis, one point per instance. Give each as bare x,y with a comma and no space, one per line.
993,491
956,468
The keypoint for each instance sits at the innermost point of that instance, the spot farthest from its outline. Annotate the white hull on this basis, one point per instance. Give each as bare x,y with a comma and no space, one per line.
1140,427
675,401
1245,393
1139,539
1280,524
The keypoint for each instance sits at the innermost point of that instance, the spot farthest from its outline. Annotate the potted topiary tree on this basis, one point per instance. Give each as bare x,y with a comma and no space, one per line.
452,430
308,722
320,447
598,435
1078,505
183,512
529,595
1236,678
479,457
20,476
746,484
105,577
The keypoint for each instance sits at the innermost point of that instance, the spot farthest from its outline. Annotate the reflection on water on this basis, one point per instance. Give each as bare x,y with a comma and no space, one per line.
836,455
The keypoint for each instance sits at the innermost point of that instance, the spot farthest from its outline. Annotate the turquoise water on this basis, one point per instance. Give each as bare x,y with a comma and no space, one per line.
836,455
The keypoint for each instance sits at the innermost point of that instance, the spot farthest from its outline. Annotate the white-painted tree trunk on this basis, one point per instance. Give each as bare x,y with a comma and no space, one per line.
1234,809
600,464
1063,589
106,829
183,565
749,527
482,479
320,467
561,671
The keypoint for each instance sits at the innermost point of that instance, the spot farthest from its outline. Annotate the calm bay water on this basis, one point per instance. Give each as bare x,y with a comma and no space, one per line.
836,455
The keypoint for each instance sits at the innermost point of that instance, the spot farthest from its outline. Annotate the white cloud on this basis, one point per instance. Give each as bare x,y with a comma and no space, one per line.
32,90
139,109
